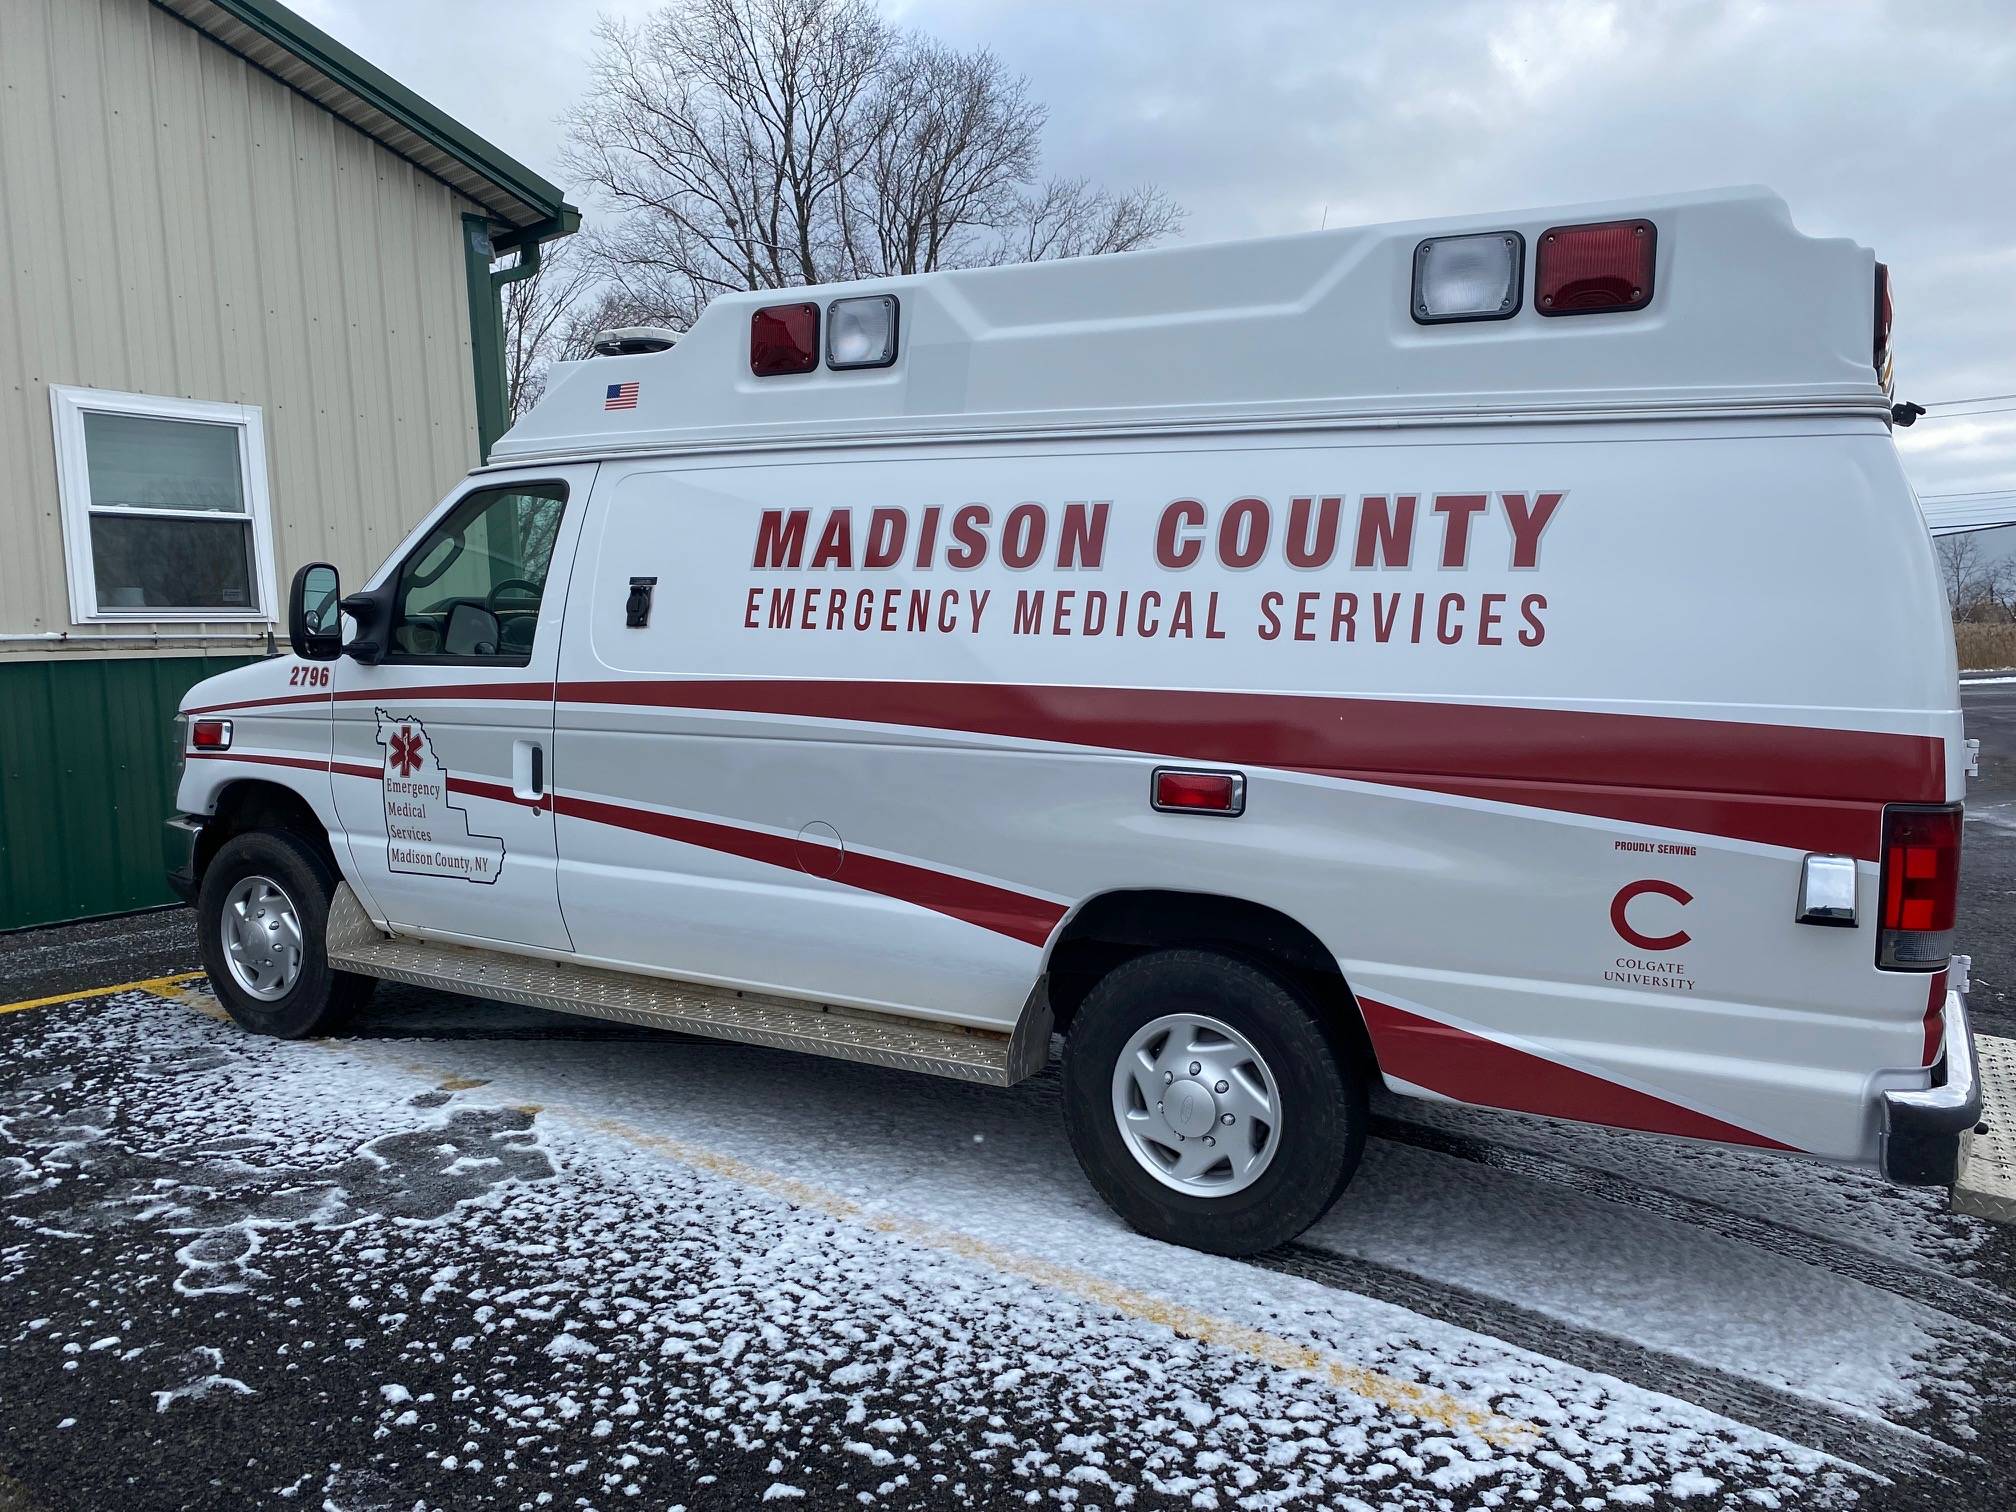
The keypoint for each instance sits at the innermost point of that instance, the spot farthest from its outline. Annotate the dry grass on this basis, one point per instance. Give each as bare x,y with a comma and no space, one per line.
1984,646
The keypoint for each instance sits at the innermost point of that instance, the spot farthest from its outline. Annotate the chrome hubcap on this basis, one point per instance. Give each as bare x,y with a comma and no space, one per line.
1196,1105
262,938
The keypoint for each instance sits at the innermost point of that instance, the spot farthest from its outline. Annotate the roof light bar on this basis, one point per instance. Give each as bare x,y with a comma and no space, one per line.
631,341
784,339
1475,277
1595,269
861,333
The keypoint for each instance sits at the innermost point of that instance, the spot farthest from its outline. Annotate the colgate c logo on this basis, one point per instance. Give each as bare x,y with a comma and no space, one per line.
1633,890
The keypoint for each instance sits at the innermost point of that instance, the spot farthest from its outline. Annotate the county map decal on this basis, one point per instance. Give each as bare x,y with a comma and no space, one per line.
425,834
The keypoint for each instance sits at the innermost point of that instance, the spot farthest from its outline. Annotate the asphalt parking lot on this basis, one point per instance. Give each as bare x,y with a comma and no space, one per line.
476,1256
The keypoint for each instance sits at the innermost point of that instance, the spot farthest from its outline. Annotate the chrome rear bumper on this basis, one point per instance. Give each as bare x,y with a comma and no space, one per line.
1921,1130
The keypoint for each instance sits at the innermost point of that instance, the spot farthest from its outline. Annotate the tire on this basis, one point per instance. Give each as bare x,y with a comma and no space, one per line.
308,999
1318,1098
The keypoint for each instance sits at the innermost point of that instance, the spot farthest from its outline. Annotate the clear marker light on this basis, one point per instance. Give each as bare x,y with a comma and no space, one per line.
861,333
1468,277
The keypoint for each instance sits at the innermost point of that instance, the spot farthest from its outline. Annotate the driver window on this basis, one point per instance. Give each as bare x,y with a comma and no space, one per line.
471,590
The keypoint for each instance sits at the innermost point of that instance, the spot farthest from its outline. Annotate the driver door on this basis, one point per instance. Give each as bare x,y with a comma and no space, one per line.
443,748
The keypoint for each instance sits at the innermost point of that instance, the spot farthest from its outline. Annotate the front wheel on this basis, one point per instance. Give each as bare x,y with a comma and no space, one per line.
262,916
1207,1103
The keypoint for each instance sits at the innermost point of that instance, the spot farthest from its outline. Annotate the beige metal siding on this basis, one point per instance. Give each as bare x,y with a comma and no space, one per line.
174,221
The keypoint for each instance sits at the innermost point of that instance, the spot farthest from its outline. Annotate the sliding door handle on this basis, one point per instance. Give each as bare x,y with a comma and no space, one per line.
528,772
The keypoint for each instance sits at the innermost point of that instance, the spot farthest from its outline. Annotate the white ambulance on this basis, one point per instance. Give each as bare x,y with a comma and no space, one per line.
1499,657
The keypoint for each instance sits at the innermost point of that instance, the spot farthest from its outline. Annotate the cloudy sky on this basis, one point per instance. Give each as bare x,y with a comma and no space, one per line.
1892,123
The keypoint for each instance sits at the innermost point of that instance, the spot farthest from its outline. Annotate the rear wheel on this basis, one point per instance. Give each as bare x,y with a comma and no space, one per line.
262,918
1207,1103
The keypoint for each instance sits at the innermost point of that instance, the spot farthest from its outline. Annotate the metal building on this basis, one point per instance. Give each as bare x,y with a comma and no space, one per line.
248,319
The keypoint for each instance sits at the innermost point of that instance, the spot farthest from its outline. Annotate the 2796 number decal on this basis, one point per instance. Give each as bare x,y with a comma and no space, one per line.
310,677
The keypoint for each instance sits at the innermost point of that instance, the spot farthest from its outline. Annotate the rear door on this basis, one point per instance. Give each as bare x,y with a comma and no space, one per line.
442,748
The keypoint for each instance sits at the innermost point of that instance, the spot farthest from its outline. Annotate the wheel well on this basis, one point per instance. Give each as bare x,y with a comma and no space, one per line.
253,805
1118,926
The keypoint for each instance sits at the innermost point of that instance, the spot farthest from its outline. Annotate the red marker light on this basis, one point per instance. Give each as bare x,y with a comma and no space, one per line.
784,339
210,735
1179,792
1590,270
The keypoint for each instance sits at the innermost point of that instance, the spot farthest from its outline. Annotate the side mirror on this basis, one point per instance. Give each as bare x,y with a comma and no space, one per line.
368,609
314,623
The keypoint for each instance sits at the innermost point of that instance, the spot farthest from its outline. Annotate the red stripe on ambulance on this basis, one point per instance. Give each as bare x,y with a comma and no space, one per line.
1800,787
999,909
1474,1069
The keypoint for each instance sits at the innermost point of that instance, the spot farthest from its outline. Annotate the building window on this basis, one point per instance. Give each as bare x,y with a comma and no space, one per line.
164,507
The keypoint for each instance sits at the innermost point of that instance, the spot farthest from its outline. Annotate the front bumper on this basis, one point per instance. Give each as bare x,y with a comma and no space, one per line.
1921,1130
178,851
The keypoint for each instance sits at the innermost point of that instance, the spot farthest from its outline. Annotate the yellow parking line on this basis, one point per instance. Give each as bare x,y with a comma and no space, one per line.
203,1000
1396,1395
1390,1392
151,984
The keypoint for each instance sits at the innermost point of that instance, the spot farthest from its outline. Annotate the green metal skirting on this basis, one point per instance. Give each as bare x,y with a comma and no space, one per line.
87,775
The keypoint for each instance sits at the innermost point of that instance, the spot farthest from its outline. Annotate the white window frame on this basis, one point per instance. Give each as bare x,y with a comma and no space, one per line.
68,407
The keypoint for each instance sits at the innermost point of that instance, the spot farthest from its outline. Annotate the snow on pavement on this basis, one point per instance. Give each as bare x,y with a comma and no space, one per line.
1831,1203
590,1266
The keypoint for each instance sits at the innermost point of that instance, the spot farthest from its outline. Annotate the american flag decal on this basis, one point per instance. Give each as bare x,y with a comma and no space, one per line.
620,396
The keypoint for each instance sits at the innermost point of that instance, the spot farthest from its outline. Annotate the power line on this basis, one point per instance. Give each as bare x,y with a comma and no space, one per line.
1976,399
2000,409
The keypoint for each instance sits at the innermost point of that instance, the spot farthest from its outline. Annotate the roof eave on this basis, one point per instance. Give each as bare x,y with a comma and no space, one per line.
310,61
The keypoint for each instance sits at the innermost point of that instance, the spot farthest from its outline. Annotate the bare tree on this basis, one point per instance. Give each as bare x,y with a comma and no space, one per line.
734,122
538,313
756,144
1961,565
956,137
1998,591
1071,218
642,267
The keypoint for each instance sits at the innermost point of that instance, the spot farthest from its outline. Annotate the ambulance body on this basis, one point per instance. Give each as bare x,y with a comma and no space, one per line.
1502,657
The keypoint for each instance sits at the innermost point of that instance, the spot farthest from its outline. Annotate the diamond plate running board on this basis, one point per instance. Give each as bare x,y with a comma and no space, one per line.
879,1039
1986,1183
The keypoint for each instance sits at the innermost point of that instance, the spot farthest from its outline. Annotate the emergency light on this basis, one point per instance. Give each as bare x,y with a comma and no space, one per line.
1588,270
784,339
861,333
1885,312
1468,277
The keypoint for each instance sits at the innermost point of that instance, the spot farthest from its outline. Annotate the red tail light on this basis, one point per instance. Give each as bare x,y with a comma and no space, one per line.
784,339
211,735
1920,887
1587,270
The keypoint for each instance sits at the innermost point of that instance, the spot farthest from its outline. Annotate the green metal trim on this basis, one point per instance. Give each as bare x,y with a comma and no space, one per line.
81,807
384,93
486,332
480,246
531,236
